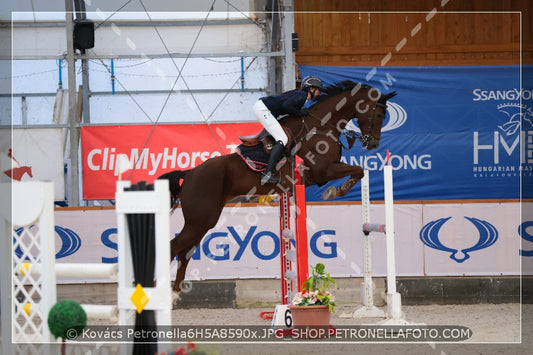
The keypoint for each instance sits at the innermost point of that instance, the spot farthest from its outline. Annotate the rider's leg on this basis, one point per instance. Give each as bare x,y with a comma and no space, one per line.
263,115
275,154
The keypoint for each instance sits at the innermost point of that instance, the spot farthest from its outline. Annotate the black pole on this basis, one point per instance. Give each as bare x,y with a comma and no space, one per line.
141,228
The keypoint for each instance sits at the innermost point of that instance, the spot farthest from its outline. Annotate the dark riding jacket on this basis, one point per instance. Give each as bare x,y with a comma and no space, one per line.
288,103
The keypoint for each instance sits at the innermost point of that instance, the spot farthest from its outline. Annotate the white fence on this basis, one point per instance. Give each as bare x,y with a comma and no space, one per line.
29,291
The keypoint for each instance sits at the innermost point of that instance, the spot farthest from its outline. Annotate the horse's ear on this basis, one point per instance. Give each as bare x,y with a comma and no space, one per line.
383,99
390,95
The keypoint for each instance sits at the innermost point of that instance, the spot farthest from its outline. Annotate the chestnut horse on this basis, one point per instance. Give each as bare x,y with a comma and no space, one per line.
204,190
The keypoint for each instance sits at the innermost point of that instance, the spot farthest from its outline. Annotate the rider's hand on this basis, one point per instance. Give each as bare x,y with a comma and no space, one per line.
304,112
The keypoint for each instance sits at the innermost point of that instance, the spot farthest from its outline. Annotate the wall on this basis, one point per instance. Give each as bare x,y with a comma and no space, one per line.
391,33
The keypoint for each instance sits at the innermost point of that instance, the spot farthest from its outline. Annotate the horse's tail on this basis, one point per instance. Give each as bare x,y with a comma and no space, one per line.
174,183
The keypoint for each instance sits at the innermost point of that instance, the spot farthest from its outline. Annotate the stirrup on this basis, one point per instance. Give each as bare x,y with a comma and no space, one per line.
269,178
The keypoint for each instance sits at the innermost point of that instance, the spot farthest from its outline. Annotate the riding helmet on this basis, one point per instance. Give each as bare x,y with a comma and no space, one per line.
311,82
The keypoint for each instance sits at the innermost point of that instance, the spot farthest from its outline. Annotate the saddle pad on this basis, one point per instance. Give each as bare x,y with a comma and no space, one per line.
254,156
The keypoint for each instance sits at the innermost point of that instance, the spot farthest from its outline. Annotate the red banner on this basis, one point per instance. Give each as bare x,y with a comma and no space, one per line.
151,151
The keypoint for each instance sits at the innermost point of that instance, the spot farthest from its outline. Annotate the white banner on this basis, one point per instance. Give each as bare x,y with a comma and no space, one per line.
431,240
34,155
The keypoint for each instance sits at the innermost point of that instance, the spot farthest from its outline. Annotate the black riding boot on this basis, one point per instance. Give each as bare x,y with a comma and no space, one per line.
269,176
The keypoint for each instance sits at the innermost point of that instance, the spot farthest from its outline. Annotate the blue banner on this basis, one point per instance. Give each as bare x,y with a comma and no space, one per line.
454,132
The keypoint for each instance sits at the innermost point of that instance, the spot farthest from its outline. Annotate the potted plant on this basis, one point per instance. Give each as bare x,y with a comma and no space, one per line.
313,305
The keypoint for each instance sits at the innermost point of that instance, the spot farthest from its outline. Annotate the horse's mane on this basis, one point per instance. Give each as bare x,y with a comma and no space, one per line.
338,88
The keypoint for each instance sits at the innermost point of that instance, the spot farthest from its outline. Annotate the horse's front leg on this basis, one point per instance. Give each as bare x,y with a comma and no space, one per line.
337,171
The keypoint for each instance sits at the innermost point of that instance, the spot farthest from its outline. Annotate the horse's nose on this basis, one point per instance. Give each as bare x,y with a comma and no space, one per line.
372,144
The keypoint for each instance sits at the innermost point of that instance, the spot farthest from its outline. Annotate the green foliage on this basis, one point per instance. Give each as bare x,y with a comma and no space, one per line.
315,290
319,279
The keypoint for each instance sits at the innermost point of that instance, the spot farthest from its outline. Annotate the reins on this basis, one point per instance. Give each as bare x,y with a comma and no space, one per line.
351,135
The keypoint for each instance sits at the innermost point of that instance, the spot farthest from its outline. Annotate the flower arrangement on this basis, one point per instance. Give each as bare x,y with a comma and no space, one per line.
315,289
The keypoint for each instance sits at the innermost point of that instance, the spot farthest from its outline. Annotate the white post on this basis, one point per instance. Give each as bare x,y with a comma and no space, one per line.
368,310
158,203
35,245
6,287
394,301
162,250
125,265
367,289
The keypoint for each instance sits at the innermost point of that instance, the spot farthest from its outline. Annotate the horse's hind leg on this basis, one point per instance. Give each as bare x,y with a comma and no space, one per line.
183,246
183,261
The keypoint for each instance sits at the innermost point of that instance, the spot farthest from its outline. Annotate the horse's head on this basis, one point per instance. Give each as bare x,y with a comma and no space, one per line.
371,122
346,100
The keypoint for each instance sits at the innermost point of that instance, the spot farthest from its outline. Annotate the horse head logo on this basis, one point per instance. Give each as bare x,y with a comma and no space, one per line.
429,235
516,114
16,172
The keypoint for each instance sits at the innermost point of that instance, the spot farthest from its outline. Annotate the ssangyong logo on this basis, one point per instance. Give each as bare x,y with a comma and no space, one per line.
488,235
396,118
70,242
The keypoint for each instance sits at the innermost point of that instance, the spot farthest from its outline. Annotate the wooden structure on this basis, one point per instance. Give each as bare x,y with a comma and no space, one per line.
413,32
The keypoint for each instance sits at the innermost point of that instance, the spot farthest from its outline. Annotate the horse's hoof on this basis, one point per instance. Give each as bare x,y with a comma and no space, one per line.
175,299
331,192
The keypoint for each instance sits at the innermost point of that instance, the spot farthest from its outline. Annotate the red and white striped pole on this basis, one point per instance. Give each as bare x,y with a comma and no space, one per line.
301,230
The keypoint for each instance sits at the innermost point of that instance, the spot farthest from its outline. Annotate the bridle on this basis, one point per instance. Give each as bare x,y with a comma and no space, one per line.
351,135
367,138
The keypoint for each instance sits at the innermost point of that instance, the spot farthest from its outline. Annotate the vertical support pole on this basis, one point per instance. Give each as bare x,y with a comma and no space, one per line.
285,245
112,77
162,250
132,202
367,288
367,310
6,284
393,297
242,74
125,263
48,255
289,75
74,195
301,236
60,74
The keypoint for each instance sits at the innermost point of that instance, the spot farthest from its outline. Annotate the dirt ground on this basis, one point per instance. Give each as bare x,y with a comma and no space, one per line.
495,329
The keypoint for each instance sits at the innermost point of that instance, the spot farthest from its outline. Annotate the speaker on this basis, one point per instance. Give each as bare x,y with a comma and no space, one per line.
83,34
295,42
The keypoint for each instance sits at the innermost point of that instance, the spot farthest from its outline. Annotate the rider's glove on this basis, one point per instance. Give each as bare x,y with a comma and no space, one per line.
303,112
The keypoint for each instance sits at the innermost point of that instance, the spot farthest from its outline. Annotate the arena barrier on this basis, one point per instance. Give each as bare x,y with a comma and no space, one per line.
394,312
32,257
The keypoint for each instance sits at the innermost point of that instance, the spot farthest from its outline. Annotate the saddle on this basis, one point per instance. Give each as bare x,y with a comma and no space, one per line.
255,149
264,138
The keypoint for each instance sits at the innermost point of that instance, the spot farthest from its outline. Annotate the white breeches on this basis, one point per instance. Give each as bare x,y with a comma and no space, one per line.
263,115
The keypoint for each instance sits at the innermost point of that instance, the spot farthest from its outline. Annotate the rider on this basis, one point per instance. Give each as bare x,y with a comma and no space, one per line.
268,110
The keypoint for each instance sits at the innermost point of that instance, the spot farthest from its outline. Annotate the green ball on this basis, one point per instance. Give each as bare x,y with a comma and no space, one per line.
66,319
